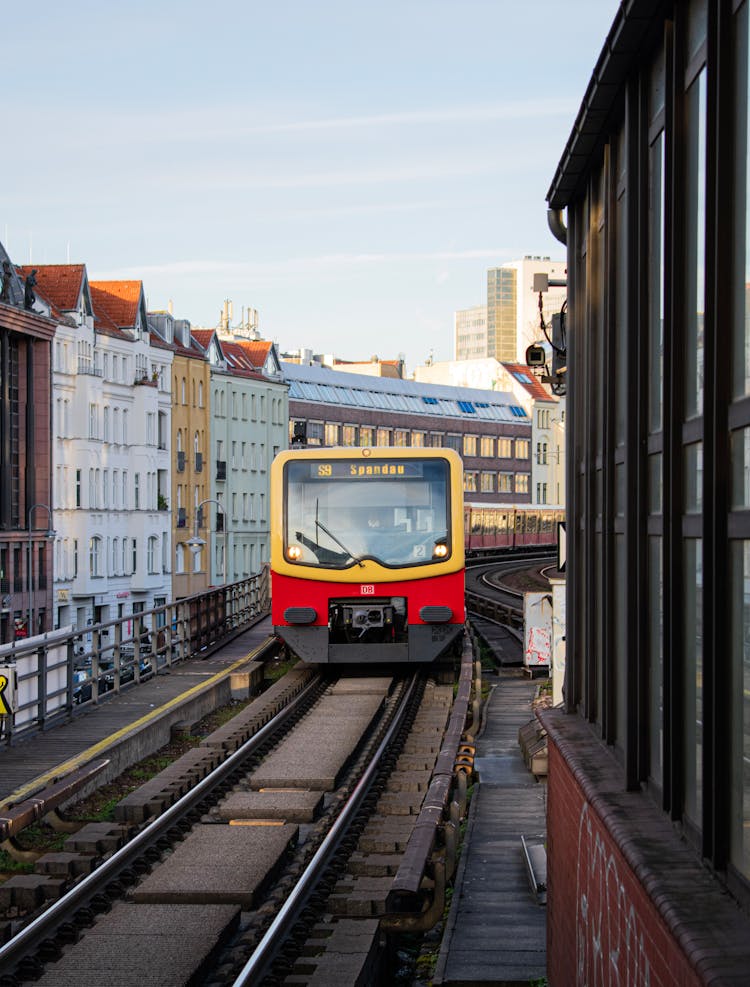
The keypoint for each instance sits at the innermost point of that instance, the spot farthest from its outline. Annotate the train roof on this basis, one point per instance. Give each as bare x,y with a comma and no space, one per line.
479,505
326,386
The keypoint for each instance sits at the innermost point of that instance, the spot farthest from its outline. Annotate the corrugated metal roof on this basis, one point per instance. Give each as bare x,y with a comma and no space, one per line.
325,386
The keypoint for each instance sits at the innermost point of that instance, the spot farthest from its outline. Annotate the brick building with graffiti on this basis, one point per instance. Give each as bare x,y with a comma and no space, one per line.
649,758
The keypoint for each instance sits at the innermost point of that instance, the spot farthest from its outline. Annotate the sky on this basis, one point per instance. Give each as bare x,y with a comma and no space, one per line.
350,170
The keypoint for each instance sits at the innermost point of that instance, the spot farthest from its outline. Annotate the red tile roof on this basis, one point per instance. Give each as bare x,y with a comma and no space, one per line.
256,350
204,336
102,320
120,300
238,359
59,283
529,381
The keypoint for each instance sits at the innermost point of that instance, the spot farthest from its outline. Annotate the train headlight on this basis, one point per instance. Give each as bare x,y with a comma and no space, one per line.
294,553
440,550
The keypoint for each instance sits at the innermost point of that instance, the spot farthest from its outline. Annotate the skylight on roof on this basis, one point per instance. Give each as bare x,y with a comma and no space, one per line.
524,378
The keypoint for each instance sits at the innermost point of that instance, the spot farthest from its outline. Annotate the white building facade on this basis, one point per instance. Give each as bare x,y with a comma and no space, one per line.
111,457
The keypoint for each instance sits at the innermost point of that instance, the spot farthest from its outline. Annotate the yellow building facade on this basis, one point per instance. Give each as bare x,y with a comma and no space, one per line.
191,478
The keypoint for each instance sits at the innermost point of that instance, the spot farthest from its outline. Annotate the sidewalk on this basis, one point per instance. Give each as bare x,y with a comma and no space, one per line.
496,932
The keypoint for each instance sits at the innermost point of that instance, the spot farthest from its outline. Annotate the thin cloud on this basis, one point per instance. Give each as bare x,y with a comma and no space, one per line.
233,269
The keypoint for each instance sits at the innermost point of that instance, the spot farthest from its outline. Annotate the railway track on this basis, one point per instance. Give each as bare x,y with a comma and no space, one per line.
249,852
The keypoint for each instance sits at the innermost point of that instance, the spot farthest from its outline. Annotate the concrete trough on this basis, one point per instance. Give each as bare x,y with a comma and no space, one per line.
317,752
219,864
145,945
288,805
376,686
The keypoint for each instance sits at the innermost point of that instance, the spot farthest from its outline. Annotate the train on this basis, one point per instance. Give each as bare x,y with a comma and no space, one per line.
367,554
511,527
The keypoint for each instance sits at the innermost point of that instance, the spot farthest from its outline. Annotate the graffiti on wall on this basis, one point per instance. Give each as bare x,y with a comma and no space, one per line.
610,949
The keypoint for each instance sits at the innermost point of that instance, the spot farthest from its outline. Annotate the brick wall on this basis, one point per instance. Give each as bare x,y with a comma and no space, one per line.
629,903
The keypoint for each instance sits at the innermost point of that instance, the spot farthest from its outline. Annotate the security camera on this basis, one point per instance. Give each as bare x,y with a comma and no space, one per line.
535,356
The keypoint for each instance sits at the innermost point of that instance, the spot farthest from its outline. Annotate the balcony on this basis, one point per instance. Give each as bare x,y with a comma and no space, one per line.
199,462
85,367
180,462
221,469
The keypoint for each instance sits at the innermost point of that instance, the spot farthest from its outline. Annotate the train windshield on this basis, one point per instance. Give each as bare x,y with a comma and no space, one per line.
341,512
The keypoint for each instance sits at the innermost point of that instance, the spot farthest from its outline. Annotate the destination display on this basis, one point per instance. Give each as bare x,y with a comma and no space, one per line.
338,469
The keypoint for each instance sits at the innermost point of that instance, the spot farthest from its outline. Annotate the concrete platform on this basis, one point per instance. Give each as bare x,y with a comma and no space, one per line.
316,753
496,931
145,945
128,726
218,865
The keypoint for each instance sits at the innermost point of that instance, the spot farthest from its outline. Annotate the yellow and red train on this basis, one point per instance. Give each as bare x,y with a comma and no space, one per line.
367,553
368,550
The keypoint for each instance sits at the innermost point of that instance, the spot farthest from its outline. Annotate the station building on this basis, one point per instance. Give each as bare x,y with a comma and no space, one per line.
26,555
649,758
490,429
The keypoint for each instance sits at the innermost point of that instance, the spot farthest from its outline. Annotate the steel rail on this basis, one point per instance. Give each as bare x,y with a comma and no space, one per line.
259,963
81,895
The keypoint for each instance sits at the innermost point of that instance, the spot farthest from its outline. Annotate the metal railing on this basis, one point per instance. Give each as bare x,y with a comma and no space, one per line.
57,672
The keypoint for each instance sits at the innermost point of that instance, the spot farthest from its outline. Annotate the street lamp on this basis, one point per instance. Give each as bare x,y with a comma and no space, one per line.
50,534
196,543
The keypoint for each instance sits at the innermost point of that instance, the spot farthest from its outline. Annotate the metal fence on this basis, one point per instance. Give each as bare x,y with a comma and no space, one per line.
47,678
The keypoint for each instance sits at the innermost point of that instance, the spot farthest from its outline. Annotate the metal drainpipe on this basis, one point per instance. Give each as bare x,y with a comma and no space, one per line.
557,227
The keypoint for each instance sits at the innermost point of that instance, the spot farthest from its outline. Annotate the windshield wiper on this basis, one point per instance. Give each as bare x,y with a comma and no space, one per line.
342,546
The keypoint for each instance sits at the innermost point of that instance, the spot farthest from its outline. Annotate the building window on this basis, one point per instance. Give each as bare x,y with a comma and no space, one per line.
487,446
522,483
471,481
504,482
152,553
332,434
366,435
541,453
383,437
95,548
349,435
470,445
504,448
522,448
401,437
487,482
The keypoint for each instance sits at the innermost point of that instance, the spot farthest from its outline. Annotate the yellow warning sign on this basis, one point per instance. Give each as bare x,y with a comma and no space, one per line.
6,708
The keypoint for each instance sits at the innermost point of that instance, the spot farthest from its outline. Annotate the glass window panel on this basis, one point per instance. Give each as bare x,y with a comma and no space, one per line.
740,693
741,274
695,246
694,478
620,636
656,283
740,453
655,483
693,669
655,660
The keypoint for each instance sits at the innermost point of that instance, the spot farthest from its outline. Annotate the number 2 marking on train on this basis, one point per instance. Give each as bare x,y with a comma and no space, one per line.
367,589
